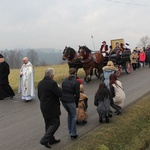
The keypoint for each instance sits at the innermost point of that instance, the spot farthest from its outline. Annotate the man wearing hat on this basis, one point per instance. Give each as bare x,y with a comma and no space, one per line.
127,46
5,88
104,49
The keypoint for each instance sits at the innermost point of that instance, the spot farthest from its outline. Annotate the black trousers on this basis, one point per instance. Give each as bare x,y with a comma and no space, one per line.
51,126
114,106
134,66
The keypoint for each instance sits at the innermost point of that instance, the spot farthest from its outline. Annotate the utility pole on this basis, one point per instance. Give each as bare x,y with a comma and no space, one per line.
93,42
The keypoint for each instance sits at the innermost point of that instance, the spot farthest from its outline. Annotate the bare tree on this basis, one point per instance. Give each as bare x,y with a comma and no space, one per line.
33,57
43,63
144,41
18,59
11,58
4,53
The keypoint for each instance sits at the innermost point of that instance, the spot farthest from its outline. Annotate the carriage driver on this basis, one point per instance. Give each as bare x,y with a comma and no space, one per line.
104,49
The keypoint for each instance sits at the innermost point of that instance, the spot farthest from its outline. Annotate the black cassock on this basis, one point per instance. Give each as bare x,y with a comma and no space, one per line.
5,88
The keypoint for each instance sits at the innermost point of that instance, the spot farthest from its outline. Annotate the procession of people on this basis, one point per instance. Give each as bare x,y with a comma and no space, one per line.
109,98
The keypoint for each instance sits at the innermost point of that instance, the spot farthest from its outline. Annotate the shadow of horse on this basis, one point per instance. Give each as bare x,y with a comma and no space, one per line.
71,56
90,61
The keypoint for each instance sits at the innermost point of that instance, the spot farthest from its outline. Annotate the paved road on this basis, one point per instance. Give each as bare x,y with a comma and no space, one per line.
22,126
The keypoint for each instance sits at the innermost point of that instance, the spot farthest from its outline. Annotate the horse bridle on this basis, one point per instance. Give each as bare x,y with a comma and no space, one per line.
68,51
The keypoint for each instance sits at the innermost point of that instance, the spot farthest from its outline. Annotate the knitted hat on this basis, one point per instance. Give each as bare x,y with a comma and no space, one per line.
1,56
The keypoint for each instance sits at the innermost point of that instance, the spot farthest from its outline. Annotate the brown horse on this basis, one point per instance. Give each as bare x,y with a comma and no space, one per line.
90,61
71,56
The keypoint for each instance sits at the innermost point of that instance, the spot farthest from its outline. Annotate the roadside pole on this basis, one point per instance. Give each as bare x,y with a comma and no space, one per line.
93,42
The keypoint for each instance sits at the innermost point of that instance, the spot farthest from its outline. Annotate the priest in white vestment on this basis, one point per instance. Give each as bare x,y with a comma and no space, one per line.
26,85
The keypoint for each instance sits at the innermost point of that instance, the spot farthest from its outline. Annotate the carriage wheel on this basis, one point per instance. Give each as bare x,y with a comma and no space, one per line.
118,72
128,67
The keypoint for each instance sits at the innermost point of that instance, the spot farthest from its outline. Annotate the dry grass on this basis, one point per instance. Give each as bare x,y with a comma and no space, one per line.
130,131
61,71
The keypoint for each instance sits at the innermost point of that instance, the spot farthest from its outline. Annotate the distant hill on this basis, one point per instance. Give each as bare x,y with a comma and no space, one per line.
50,56
46,56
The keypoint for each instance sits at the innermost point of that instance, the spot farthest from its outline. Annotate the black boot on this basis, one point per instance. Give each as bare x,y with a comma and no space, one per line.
118,112
117,108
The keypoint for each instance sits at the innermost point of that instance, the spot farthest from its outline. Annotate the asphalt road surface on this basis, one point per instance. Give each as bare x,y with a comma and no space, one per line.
22,125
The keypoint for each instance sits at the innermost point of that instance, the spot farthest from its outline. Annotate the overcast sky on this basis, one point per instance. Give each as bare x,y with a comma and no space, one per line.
60,23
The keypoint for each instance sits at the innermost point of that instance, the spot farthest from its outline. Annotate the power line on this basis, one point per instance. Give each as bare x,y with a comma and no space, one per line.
127,3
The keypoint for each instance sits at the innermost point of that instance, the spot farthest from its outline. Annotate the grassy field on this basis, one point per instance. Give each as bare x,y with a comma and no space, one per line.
61,71
129,131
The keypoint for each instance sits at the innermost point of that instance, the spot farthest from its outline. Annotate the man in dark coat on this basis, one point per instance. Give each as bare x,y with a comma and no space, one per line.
49,93
5,88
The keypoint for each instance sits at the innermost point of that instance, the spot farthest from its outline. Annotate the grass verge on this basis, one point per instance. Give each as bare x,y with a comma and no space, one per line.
129,131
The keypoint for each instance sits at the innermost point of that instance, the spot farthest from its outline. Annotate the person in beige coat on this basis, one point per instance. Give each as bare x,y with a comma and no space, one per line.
117,92
82,106
134,59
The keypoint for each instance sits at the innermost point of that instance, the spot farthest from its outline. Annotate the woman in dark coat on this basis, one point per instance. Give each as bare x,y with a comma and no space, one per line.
102,101
5,88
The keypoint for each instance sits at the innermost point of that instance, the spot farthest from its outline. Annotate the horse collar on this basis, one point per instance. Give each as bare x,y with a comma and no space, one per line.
88,59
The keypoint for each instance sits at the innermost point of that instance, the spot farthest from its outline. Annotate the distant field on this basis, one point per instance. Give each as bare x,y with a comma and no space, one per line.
61,71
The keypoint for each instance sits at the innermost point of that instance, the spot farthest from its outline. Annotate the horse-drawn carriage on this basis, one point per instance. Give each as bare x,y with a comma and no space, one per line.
121,57
90,61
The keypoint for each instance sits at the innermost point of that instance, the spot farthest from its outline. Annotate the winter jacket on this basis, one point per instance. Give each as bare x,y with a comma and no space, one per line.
49,94
107,71
103,108
81,110
106,48
71,90
118,93
148,56
134,58
142,56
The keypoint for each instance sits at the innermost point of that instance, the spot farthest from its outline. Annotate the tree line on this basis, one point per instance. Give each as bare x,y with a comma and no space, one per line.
37,57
